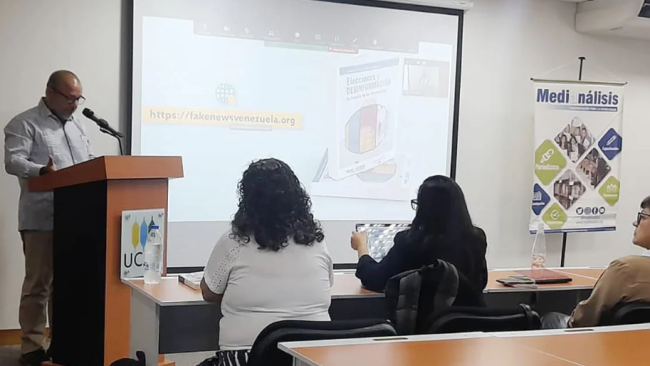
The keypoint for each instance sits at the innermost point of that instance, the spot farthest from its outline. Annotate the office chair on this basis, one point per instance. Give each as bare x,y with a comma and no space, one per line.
472,319
629,313
265,350
415,297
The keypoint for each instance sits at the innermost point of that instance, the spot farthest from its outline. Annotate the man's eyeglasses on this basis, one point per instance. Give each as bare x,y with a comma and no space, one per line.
414,205
640,217
80,100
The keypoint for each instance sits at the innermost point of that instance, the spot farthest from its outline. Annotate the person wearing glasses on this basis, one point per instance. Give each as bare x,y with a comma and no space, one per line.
625,280
39,141
442,229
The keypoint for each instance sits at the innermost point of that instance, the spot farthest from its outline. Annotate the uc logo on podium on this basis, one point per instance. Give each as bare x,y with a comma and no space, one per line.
136,225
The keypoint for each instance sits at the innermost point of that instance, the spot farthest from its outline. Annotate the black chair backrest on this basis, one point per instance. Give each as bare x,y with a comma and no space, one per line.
629,313
471,319
140,361
412,296
265,349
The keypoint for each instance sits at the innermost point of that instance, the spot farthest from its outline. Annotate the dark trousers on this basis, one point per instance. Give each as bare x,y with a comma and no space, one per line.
555,321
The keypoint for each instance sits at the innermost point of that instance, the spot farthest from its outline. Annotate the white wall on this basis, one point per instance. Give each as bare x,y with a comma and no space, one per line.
36,38
506,43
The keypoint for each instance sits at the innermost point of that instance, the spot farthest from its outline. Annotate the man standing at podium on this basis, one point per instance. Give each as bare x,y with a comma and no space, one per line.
39,141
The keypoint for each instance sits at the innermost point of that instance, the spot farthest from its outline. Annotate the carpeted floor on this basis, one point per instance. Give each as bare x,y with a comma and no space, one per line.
9,357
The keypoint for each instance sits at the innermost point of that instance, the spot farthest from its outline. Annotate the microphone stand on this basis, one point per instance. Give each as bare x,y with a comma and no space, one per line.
119,141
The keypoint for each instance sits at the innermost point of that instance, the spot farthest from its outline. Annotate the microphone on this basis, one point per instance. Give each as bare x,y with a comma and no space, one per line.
103,125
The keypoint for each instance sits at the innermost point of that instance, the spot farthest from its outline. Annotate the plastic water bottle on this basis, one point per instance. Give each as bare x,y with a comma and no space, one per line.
153,256
539,248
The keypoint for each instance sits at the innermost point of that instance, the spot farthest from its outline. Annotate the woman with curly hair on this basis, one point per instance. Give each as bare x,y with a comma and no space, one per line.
272,265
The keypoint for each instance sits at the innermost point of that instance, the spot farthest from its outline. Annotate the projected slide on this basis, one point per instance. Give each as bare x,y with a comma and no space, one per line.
358,102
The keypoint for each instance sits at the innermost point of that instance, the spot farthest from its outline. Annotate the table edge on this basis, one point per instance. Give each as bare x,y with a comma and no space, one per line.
538,289
295,355
384,340
289,347
374,295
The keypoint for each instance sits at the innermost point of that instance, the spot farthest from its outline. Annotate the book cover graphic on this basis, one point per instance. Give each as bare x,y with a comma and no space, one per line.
368,94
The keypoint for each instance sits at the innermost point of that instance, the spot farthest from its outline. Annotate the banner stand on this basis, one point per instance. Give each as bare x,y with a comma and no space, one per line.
578,198
565,235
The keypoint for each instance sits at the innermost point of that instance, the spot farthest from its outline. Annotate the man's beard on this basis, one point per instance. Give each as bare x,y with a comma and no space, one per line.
65,116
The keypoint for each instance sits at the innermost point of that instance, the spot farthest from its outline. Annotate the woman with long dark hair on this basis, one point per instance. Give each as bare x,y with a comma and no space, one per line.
442,229
272,265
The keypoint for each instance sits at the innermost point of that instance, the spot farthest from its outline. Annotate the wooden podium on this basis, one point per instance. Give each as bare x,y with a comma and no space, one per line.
91,305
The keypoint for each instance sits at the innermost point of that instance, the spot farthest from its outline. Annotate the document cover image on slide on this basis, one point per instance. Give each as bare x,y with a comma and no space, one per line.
362,162
368,97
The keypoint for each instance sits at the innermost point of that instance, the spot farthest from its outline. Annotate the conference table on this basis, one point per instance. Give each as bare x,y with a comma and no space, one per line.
602,346
348,286
171,317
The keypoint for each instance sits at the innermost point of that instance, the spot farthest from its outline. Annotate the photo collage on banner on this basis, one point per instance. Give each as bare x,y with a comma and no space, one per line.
578,147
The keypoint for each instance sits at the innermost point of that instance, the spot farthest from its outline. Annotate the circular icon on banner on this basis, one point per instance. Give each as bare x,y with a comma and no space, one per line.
601,211
580,210
587,211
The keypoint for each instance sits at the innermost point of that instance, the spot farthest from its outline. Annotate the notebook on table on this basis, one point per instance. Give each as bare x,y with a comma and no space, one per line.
545,276
533,277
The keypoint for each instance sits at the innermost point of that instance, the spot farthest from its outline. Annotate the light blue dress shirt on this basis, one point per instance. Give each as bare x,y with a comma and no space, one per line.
31,138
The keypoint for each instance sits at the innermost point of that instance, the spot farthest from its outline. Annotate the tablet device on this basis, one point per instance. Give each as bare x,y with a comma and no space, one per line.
380,237
517,281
